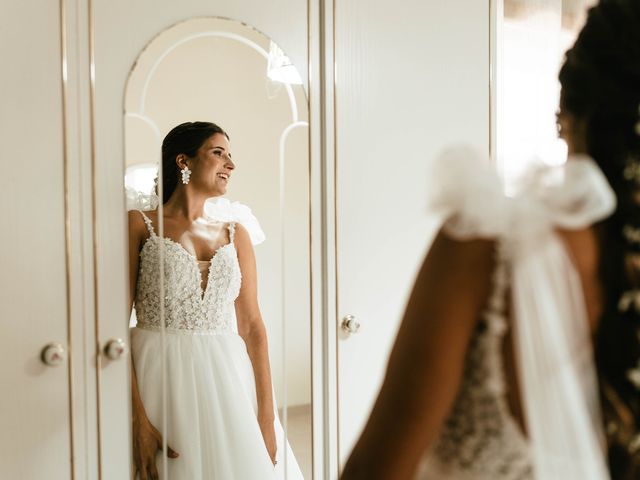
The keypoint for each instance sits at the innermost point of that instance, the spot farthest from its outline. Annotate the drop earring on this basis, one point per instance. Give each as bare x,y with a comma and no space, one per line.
186,174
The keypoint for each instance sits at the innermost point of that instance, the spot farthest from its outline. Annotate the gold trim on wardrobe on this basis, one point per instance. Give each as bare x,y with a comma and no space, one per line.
67,226
94,227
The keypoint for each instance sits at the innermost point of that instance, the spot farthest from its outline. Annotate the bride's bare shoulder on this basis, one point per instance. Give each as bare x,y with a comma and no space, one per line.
137,227
478,252
457,271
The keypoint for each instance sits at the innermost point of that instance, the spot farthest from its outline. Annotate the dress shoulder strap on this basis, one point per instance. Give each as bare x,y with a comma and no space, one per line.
147,222
232,231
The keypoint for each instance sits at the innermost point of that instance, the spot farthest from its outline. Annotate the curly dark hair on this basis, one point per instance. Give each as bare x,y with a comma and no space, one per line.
186,138
600,81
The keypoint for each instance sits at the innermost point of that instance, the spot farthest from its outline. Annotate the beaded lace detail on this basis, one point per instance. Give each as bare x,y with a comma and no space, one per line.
187,307
480,439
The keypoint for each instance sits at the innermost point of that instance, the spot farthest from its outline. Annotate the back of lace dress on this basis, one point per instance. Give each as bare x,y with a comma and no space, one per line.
481,440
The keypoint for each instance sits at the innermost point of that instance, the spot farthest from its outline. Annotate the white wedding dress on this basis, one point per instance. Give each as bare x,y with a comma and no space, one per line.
210,386
481,440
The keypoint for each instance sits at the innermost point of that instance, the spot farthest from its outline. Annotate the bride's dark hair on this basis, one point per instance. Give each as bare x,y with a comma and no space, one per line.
186,138
601,85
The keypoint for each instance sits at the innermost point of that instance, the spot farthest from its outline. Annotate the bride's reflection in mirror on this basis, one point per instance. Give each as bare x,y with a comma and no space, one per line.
208,374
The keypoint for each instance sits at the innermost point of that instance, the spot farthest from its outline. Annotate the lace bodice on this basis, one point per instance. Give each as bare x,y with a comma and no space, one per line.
480,439
188,308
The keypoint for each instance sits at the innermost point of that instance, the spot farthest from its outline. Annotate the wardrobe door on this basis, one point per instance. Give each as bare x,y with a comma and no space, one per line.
35,438
410,80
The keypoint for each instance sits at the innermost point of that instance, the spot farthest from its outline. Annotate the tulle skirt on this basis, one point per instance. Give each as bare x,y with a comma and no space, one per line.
211,408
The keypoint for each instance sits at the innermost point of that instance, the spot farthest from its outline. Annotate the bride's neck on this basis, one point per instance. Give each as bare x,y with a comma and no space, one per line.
185,203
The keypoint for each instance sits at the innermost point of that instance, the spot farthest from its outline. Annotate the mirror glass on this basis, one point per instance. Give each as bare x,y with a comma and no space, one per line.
222,71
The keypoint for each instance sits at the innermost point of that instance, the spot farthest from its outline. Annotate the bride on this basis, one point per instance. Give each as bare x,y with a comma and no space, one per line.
493,373
221,419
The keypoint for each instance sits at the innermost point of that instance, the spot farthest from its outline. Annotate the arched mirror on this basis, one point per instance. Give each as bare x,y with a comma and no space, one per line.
212,379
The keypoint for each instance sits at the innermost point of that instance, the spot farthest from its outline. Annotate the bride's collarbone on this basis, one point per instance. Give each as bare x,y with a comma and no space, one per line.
202,238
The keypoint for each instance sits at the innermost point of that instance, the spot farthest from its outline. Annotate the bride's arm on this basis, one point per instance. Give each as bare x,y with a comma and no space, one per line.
427,360
136,229
252,330
147,440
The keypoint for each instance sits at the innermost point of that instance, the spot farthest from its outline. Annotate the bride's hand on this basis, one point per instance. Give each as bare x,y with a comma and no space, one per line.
147,440
269,436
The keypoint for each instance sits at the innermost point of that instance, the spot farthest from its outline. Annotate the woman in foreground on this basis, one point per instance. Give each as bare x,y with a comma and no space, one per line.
493,373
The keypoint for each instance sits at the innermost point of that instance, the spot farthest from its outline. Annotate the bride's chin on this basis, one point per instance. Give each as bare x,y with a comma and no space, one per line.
218,191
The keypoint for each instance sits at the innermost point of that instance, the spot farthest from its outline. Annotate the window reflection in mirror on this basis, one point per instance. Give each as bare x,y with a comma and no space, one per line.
531,40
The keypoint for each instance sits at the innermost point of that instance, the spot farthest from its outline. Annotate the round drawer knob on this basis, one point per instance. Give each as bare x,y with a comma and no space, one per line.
53,354
350,324
115,349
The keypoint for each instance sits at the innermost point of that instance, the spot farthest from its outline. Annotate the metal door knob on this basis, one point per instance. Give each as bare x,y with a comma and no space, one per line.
53,354
350,324
115,349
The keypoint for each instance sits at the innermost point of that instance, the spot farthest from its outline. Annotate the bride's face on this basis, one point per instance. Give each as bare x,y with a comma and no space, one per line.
211,170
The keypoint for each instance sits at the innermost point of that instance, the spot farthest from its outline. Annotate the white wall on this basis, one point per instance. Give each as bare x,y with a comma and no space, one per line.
222,80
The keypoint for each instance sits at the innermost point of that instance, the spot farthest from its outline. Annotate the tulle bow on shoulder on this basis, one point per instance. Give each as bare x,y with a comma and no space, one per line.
222,209
467,191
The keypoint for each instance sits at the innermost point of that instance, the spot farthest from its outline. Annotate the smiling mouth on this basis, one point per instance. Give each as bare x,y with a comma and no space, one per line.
224,176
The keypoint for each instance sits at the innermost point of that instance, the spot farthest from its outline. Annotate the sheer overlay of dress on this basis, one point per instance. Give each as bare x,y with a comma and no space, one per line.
480,439
211,394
